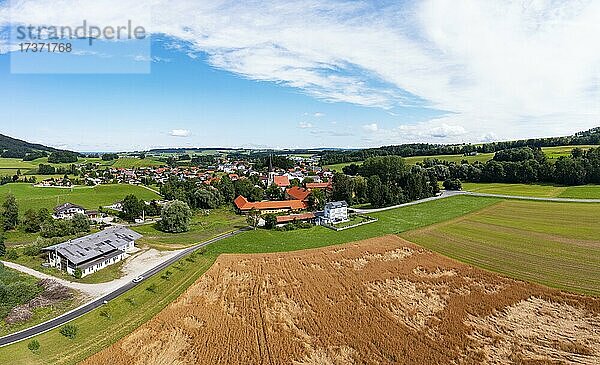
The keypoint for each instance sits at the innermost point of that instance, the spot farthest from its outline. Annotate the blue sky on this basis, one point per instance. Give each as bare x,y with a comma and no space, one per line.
316,74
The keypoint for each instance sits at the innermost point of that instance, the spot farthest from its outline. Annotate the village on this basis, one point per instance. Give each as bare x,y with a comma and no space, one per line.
295,206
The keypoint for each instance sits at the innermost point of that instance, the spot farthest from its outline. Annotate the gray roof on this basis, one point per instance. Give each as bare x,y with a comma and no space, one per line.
63,207
334,205
95,245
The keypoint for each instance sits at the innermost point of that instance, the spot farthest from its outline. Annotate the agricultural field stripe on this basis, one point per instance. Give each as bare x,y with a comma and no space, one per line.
520,197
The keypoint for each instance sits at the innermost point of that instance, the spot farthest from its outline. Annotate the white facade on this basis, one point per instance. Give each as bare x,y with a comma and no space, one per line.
69,212
93,252
335,212
55,260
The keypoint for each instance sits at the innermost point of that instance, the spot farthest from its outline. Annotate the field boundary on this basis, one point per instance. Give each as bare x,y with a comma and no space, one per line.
537,198
337,229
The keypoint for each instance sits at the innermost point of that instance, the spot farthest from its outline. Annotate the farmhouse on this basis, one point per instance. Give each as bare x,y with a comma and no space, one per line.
93,252
266,207
297,193
304,217
335,212
67,211
319,185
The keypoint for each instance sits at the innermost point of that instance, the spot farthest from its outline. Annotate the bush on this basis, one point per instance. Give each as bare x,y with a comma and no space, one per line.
69,331
452,184
12,254
32,250
33,345
78,273
151,288
270,221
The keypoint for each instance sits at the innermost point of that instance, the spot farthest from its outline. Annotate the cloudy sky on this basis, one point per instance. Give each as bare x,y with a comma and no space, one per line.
312,74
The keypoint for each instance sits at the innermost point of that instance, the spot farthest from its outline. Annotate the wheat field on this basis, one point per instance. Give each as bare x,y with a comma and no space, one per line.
378,301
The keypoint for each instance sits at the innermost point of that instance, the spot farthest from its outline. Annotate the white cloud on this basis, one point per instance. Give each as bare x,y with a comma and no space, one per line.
435,130
180,133
373,127
446,130
305,125
489,137
519,68
319,115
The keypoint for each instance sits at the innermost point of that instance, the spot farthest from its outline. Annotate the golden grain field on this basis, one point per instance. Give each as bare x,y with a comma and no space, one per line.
379,301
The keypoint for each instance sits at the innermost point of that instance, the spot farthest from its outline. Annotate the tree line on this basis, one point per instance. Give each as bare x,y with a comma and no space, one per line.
524,165
384,181
589,137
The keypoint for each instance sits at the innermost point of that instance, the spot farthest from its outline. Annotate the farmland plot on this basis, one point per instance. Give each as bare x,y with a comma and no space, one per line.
382,300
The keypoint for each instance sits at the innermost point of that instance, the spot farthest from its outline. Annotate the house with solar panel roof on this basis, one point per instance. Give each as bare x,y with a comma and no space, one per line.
92,252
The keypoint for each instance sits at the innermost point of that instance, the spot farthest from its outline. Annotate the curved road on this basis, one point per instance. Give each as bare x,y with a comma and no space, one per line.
69,316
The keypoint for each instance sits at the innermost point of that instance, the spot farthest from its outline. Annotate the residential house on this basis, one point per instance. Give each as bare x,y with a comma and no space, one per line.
67,211
92,252
320,185
335,212
281,180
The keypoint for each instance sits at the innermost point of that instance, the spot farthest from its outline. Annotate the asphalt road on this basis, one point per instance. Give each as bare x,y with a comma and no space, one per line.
443,194
69,316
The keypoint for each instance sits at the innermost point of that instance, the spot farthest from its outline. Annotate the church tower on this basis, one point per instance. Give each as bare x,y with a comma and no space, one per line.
271,172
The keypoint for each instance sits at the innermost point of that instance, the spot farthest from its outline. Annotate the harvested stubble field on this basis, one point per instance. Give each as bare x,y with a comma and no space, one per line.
377,301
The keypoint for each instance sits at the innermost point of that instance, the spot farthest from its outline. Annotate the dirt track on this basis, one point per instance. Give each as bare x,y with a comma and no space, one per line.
377,301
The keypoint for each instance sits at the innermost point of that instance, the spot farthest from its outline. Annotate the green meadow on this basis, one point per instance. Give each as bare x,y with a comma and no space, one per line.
203,227
536,190
29,196
553,244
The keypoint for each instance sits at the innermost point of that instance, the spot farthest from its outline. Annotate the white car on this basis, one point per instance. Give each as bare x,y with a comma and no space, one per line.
138,279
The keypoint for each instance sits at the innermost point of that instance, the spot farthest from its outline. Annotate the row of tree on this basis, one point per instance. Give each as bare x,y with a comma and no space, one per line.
589,137
44,169
34,221
384,181
524,165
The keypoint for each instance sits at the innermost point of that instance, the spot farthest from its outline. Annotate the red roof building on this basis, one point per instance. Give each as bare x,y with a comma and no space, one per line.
281,181
269,206
324,185
295,218
297,193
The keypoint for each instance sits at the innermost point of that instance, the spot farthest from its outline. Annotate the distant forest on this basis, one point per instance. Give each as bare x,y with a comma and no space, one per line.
589,137
16,148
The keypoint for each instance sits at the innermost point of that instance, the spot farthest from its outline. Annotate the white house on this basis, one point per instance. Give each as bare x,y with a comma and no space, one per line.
67,211
335,212
92,252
